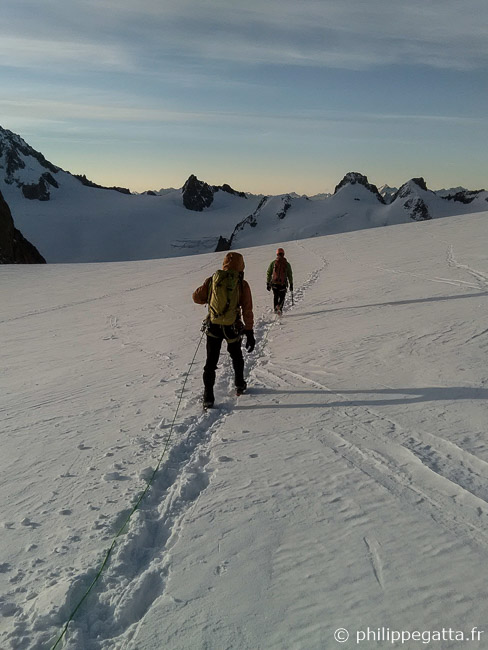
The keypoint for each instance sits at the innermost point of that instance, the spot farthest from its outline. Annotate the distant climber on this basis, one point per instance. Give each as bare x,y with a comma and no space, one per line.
278,277
230,317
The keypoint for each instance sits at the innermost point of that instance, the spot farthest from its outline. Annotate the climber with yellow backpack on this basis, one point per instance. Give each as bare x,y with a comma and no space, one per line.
230,317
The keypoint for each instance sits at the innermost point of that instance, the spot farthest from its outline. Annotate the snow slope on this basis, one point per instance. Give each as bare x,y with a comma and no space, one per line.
346,489
85,224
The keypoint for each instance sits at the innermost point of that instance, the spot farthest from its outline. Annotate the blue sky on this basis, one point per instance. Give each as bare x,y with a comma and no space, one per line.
270,96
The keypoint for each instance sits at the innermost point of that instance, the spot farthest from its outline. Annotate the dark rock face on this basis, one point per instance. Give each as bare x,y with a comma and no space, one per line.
465,196
250,220
222,245
197,195
286,206
418,209
229,190
351,178
421,183
39,191
14,247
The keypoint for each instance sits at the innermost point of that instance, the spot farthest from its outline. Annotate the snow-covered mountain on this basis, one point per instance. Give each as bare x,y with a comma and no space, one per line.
71,219
387,192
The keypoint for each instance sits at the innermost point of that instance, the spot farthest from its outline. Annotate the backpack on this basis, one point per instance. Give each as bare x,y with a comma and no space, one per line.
279,271
223,302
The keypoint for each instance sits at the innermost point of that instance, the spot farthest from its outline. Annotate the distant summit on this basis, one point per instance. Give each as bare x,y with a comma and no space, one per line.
353,178
387,192
198,195
28,170
412,196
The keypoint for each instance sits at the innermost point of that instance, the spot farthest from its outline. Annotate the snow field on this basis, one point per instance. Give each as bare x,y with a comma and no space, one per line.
347,488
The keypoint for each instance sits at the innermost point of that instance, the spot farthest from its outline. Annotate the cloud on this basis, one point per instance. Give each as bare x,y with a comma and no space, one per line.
36,53
351,34
119,110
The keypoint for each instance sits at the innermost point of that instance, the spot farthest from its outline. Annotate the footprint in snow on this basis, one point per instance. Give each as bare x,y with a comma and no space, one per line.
115,476
27,522
222,568
9,609
225,459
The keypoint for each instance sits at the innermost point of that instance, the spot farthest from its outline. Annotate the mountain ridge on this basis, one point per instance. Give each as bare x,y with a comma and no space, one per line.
72,219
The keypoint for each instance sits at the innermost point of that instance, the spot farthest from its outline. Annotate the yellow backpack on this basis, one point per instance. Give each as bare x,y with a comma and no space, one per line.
223,302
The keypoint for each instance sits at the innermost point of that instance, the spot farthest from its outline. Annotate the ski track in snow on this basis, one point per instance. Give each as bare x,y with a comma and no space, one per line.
481,278
138,567
420,469
447,482
364,437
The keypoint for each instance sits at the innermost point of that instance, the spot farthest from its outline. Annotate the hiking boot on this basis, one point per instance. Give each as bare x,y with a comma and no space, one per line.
208,398
240,388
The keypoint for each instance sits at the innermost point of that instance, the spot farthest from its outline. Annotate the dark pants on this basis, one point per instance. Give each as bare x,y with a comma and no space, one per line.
215,335
279,293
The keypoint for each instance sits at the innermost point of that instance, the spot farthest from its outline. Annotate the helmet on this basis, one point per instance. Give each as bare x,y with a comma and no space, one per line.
280,251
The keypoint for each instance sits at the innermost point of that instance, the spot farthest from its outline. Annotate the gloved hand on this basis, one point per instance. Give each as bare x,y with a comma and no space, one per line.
268,286
250,340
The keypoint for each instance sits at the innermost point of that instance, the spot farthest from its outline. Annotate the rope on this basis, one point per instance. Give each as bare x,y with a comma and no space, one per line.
136,506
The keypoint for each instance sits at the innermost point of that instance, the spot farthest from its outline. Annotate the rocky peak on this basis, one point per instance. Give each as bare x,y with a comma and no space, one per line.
411,187
197,195
410,194
12,148
353,178
387,192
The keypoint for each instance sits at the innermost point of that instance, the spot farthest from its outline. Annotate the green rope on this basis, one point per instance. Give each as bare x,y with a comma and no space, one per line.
136,506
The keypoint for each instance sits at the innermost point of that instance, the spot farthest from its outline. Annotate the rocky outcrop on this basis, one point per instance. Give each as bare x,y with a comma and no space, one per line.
229,190
87,183
251,220
353,178
463,196
14,247
40,190
223,244
198,195
287,200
